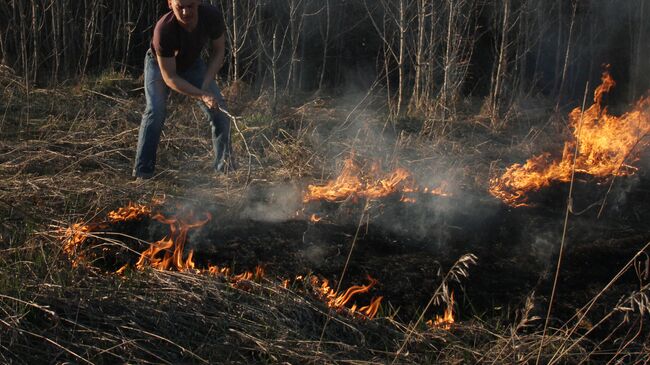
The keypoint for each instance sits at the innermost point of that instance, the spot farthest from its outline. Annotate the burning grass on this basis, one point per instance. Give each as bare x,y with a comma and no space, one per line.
606,146
65,157
353,184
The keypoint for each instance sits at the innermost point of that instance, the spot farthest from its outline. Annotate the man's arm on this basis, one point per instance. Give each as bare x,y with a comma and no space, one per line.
217,52
177,83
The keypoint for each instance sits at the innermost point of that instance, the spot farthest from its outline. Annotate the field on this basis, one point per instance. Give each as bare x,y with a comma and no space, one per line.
65,158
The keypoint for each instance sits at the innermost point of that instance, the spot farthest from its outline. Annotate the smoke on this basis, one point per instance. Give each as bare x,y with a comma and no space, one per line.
275,203
542,245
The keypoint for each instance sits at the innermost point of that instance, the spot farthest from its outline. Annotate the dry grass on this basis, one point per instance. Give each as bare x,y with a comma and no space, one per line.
66,155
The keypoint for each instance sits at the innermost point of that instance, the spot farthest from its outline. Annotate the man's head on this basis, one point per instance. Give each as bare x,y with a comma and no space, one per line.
186,11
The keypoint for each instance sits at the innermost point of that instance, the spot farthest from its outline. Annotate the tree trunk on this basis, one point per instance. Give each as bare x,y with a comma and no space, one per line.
566,57
419,56
495,112
326,37
402,26
235,44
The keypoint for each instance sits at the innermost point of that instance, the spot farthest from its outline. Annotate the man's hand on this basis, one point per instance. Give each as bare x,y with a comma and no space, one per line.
210,101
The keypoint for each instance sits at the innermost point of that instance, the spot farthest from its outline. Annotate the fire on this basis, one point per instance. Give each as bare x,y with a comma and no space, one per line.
352,183
76,235
606,142
248,275
169,254
216,270
129,213
172,247
122,270
337,301
315,219
447,319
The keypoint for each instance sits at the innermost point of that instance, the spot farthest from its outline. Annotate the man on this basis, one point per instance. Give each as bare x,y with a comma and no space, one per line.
174,62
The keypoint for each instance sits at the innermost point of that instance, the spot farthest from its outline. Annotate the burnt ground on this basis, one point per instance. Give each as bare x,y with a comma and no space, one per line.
406,247
66,156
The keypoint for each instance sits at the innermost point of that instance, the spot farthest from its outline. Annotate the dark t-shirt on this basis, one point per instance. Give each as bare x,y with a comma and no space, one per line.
170,39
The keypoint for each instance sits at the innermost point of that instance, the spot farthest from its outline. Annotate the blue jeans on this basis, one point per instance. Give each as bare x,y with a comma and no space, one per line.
156,92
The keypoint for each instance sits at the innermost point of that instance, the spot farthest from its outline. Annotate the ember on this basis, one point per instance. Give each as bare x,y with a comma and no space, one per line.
605,143
353,184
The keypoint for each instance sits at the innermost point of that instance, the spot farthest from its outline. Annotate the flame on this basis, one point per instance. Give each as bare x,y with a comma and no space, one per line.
216,270
248,275
315,219
351,183
447,319
158,200
337,301
122,270
370,310
605,143
129,213
172,247
75,235
244,280
168,254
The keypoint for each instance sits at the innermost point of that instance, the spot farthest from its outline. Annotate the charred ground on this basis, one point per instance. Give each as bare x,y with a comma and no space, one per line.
66,156
405,245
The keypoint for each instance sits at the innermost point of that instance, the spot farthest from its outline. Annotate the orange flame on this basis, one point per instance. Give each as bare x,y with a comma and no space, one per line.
216,270
122,270
167,254
447,320
129,213
351,183
75,235
370,310
605,143
248,275
244,280
173,246
338,301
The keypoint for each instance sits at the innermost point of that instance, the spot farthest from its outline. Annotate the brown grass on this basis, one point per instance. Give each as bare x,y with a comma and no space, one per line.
66,155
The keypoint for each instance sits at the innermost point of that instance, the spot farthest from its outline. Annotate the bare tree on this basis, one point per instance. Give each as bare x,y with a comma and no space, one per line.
416,101
395,23
241,16
272,49
422,50
325,33
296,19
459,31
500,69
639,59
566,56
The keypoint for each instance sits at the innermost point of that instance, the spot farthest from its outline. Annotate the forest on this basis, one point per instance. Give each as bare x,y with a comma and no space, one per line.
418,181
424,56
